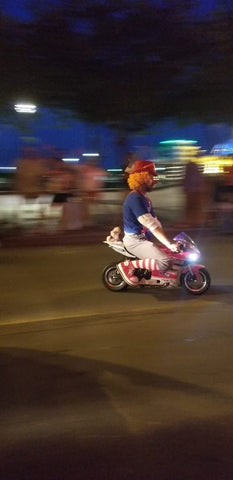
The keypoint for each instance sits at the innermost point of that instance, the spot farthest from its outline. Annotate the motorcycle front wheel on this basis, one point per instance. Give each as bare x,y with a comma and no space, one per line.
112,278
196,286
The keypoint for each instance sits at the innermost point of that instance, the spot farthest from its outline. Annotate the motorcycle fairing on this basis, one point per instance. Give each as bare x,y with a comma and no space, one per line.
119,247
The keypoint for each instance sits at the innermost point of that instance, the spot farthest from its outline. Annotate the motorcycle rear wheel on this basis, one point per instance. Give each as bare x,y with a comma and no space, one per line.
112,278
196,286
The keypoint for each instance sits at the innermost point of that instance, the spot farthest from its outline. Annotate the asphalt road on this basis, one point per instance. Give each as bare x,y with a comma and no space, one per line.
102,385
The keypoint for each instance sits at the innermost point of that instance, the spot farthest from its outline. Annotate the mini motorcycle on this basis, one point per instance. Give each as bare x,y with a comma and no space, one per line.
191,276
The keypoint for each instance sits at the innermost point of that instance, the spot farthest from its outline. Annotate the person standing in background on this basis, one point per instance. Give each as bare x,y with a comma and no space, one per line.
30,173
194,195
91,179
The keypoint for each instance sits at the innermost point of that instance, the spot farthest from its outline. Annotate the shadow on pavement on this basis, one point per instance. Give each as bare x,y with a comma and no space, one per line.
220,292
59,422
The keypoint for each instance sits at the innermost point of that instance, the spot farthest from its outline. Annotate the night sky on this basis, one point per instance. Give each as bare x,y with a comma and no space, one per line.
18,8
15,7
80,136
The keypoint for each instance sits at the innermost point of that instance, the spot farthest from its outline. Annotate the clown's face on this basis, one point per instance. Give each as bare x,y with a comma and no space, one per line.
150,182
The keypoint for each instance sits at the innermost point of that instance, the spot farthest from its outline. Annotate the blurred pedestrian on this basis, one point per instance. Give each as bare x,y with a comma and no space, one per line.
127,164
194,195
91,181
228,184
30,185
30,173
63,185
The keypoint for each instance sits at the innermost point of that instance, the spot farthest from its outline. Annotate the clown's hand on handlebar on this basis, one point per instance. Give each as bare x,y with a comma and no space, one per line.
174,247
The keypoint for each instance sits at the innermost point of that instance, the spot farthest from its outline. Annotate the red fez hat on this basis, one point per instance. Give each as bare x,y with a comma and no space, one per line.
143,166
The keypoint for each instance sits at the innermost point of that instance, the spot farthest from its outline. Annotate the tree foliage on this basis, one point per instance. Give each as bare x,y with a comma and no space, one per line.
127,63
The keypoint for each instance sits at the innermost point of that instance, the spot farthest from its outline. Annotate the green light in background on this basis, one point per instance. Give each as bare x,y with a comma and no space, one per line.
181,142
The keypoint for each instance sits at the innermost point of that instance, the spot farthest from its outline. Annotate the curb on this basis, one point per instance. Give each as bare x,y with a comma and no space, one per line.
52,240
89,236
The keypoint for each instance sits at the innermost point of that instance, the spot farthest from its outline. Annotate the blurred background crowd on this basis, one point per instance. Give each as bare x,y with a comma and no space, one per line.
71,188
47,192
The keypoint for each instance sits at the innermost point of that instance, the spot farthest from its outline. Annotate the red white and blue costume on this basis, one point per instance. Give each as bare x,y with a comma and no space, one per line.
140,221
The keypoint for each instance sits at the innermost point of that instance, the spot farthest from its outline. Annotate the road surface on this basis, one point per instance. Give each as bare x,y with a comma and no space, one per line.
100,385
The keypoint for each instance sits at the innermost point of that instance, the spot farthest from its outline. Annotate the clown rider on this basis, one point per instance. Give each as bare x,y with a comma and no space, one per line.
140,225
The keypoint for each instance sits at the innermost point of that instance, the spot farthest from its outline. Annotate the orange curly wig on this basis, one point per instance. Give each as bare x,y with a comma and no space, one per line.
136,180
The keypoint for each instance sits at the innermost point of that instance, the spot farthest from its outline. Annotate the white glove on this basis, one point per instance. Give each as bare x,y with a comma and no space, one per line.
173,247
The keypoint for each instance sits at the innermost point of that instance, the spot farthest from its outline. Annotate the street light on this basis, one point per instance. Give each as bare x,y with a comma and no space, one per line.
25,108
25,124
90,154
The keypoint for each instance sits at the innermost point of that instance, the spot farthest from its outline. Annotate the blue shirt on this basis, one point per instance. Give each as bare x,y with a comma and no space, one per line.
134,206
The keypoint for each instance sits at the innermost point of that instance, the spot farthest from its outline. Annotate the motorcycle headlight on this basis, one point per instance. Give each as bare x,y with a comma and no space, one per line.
193,257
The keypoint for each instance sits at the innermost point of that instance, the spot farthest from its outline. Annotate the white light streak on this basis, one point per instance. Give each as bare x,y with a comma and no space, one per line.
211,169
25,108
8,168
90,154
114,169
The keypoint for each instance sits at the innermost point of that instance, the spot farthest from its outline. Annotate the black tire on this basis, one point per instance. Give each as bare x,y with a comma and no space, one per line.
196,287
112,279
